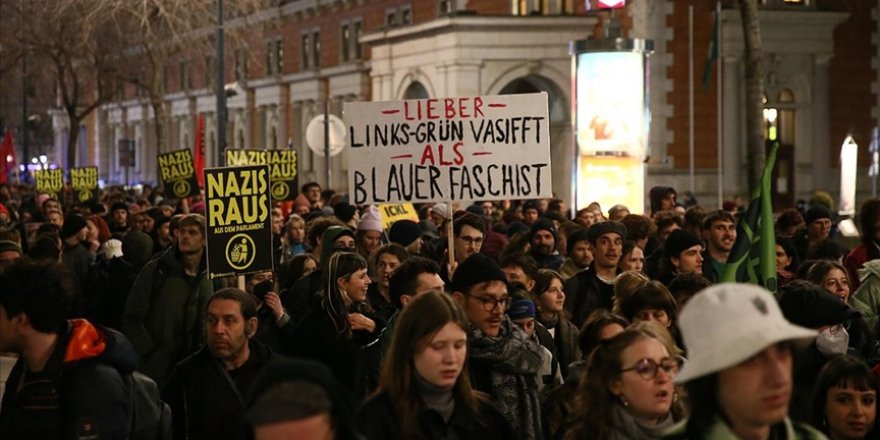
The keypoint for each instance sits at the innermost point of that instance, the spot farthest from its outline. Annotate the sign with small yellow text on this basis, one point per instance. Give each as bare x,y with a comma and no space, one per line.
239,225
282,168
178,174
84,182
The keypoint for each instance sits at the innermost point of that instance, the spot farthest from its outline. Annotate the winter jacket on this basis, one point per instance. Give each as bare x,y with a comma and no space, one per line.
866,299
317,339
206,402
81,393
553,261
109,284
565,345
856,259
377,420
163,313
585,292
718,430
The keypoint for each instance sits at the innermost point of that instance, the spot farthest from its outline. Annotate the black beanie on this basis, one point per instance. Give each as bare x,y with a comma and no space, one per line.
344,211
812,306
137,248
473,270
817,212
118,205
543,224
404,232
678,241
73,223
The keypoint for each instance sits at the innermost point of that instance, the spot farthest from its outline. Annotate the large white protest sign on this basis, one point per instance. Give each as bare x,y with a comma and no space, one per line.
447,149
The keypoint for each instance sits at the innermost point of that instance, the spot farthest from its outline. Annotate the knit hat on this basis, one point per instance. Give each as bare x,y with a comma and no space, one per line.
678,241
515,228
607,227
728,323
543,224
73,223
521,308
475,209
370,221
817,212
441,209
574,237
429,230
343,211
473,270
118,205
531,204
9,245
404,232
111,248
137,248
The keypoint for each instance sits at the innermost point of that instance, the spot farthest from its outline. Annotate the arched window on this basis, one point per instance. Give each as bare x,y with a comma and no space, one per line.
416,91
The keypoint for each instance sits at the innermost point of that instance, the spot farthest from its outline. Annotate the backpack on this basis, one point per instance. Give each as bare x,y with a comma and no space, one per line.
150,416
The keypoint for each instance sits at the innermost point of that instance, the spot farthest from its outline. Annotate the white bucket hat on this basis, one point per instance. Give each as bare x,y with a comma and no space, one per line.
726,324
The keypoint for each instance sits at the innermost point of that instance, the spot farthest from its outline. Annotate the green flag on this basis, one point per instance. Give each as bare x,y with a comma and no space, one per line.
753,257
712,56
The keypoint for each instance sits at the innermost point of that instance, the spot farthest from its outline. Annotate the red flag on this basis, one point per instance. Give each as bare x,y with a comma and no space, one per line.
7,155
199,156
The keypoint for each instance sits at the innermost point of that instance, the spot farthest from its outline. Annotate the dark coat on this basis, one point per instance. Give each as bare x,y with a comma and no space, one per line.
584,293
163,313
205,401
377,421
109,284
280,338
317,339
80,392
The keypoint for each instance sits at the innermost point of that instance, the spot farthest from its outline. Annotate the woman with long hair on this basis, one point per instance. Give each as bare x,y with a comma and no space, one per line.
424,390
627,391
550,298
831,276
845,400
335,332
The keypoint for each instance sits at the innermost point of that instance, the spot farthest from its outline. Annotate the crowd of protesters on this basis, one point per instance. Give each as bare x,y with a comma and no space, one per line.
537,323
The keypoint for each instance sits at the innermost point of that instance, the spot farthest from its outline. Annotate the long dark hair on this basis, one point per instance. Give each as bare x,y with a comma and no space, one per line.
417,325
842,371
335,302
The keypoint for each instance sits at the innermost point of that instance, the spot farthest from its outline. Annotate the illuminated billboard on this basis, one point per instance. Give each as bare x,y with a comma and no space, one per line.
611,121
610,103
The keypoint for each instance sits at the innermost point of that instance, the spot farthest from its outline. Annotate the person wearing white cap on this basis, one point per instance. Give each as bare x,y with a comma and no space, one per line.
739,374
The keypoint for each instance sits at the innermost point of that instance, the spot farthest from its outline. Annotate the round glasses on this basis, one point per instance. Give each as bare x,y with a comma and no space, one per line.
647,368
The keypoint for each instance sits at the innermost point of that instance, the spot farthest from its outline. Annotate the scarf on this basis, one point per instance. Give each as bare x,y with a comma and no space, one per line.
436,398
514,361
626,427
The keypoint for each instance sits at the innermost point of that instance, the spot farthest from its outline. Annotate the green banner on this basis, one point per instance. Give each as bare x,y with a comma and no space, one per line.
753,257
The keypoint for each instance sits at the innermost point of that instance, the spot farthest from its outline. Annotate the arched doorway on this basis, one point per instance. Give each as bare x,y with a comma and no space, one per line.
416,91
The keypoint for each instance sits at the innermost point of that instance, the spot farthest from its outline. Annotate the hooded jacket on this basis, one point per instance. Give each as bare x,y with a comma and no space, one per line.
866,299
163,313
305,295
81,393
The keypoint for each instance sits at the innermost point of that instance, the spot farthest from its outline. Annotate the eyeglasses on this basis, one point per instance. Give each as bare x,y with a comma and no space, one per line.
647,368
490,303
471,240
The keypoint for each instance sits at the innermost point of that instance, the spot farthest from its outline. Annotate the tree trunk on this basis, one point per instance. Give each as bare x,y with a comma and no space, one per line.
72,139
754,55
